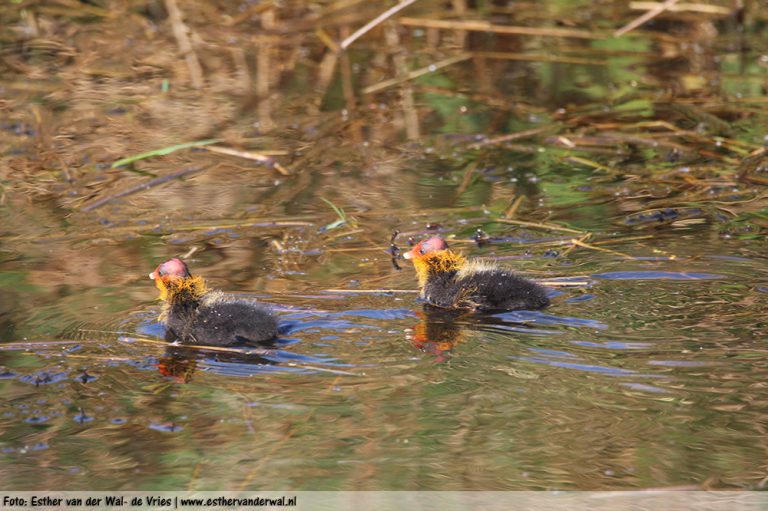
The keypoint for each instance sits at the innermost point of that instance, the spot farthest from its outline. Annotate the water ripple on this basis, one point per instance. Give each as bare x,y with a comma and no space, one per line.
543,318
657,275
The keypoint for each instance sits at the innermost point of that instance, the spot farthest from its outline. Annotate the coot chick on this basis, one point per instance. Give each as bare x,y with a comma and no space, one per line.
448,280
193,314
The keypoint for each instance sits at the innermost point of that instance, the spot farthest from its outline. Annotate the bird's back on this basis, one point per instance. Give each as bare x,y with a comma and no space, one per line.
220,320
498,289
484,288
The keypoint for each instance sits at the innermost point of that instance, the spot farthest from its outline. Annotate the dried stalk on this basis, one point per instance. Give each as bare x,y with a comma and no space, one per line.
181,33
551,227
374,22
410,114
700,8
644,18
416,73
528,57
263,69
485,26
250,155
518,135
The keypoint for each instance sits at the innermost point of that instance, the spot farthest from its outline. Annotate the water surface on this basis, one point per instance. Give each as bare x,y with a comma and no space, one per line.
647,371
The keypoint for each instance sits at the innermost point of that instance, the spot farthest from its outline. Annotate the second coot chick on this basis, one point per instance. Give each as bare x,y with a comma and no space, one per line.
193,314
449,280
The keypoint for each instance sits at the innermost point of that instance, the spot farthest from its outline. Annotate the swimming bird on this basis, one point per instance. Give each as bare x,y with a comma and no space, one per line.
448,280
194,314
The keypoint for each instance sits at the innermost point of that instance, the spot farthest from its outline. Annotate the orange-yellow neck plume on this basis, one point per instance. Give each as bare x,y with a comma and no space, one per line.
175,289
439,261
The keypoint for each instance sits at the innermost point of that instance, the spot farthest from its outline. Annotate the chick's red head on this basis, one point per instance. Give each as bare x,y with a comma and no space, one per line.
432,256
175,283
433,244
171,268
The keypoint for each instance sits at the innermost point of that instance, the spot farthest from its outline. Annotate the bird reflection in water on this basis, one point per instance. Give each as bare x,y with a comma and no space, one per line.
438,331
180,362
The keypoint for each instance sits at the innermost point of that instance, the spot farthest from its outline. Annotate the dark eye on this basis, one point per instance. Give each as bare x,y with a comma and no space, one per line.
422,250
162,271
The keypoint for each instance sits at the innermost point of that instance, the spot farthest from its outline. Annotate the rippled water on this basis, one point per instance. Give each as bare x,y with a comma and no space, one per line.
648,370
643,373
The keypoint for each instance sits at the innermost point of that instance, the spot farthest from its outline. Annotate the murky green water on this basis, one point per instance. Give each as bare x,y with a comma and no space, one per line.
647,371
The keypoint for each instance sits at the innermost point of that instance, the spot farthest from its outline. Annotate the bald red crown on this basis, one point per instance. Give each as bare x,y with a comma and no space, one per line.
432,244
173,267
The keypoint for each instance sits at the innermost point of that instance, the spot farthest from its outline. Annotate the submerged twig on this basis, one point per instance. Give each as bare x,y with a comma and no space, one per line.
573,245
518,135
27,345
552,227
264,223
323,369
587,162
600,249
369,291
143,186
327,40
485,26
563,283
514,205
621,240
466,180
415,73
532,57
